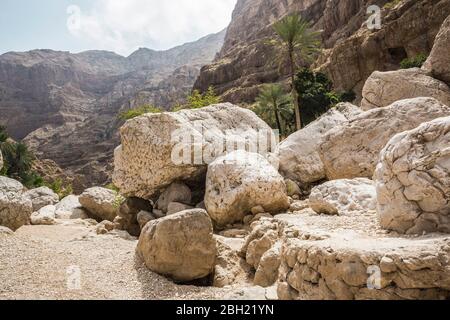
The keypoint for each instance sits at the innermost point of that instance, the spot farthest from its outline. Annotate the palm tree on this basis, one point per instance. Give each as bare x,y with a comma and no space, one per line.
297,41
272,98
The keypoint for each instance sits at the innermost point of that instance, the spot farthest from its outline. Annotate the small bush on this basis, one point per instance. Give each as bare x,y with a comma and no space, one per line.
60,188
197,100
414,62
133,113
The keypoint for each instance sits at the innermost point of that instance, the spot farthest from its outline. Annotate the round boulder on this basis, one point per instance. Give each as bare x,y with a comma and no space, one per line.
15,209
100,202
180,246
42,197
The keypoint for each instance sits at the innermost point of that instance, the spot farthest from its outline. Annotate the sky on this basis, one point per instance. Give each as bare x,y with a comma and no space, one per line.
121,26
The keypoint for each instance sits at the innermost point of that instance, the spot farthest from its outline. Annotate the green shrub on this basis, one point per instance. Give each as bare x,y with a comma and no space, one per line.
60,188
133,113
197,100
414,62
391,4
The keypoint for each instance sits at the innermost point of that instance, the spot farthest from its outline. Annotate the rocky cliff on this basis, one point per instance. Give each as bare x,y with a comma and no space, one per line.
65,105
351,51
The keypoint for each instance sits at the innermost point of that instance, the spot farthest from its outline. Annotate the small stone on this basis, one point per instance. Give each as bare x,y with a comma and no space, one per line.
387,265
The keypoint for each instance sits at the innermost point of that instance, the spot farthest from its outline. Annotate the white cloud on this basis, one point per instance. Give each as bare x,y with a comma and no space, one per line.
123,26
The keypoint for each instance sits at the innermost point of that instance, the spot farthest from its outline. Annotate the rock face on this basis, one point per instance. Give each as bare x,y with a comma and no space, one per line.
352,150
298,154
413,180
438,63
180,246
15,210
42,197
385,88
157,149
352,51
61,101
344,197
240,181
100,202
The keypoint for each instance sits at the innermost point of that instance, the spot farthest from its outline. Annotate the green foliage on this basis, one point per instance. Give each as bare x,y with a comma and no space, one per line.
414,62
133,113
275,107
391,4
112,187
119,199
3,134
316,95
60,188
197,100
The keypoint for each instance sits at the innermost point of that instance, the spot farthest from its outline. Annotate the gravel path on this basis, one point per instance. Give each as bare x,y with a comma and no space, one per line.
42,262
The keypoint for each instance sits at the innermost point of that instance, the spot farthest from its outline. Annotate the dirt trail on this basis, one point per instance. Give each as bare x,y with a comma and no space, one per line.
38,262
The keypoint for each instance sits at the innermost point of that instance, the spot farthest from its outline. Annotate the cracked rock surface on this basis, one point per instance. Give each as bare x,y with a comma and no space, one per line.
413,180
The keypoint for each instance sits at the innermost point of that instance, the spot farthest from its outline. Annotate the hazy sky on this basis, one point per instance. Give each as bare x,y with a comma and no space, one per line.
115,25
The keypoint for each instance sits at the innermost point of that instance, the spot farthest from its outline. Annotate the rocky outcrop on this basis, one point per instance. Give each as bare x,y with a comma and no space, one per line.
352,51
180,246
240,181
15,209
342,197
352,150
66,105
41,197
413,180
385,88
159,149
100,202
299,153
438,63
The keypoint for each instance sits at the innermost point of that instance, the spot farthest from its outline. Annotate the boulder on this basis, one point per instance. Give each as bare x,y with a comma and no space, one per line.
413,180
352,150
180,246
100,202
15,209
240,181
298,154
143,218
385,88
438,63
267,273
44,216
157,150
104,227
127,218
344,197
176,192
42,197
70,208
175,207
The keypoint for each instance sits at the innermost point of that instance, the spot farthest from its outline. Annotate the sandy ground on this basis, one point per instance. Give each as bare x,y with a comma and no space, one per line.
69,261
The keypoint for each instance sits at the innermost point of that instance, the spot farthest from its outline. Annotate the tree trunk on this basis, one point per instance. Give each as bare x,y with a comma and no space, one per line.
277,118
298,118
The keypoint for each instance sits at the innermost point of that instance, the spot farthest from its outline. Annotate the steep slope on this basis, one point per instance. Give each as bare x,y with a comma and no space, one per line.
351,52
65,105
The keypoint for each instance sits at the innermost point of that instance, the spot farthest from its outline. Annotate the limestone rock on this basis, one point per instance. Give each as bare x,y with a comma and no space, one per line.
298,154
100,202
70,208
42,197
180,246
104,227
4,231
267,272
176,192
438,63
344,197
240,181
15,210
127,218
143,218
413,180
175,207
352,150
44,216
385,88
156,148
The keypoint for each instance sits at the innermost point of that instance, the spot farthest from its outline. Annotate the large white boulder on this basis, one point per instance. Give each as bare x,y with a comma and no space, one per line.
384,88
352,150
42,197
70,208
240,181
180,246
100,202
44,216
298,154
15,209
159,149
413,180
344,197
438,63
